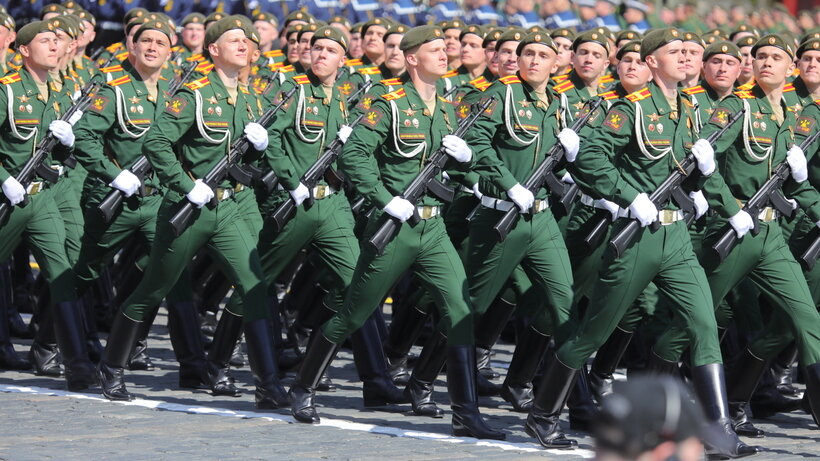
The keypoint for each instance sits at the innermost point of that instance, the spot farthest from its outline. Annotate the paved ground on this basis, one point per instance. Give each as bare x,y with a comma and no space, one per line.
41,421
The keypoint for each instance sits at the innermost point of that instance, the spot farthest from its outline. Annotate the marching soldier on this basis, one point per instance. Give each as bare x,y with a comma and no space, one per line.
693,47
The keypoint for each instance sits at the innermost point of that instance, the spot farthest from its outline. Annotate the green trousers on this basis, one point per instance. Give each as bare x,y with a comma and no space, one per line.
767,261
664,256
536,243
223,232
803,233
39,223
67,193
426,250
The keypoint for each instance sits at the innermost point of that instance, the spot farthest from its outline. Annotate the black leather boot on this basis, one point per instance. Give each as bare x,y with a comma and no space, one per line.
186,340
420,386
8,357
227,333
582,409
16,326
740,386
782,370
139,359
658,366
709,383
111,369
405,328
44,354
461,375
767,400
813,391
368,354
262,358
606,361
488,329
529,351
319,355
70,333
92,337
542,422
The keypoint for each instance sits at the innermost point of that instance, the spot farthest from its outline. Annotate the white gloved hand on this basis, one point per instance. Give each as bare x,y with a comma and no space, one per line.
567,179
741,223
457,148
797,164
13,190
701,205
522,197
300,194
643,210
257,135
127,182
76,95
705,155
200,194
75,117
344,133
63,132
477,192
793,202
571,142
611,207
400,209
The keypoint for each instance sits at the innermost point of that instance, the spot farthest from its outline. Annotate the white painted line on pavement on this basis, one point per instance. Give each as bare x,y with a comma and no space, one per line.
326,422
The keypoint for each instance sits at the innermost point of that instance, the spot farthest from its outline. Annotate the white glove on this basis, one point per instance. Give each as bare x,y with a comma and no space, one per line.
741,223
793,202
13,190
127,182
457,148
611,207
200,194
817,224
797,164
76,95
567,179
522,197
701,205
571,142
643,210
705,155
75,117
400,209
477,192
300,194
344,133
63,132
257,135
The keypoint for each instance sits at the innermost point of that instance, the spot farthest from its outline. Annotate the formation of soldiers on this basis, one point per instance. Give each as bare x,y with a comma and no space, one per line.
647,197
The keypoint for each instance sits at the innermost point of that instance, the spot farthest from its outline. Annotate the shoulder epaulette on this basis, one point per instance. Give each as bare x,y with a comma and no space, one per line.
788,87
368,70
301,79
11,78
195,57
273,54
817,101
609,78
197,84
391,81
694,90
114,47
745,94
243,89
510,79
285,69
398,94
119,81
560,78
205,66
109,69
747,86
354,62
639,95
452,73
609,95
564,86
122,56
480,83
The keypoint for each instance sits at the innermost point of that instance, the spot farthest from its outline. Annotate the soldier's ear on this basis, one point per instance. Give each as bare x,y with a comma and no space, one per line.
24,51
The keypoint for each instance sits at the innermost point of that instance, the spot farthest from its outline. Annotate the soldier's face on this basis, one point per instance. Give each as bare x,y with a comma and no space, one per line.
472,54
489,56
564,51
326,58
429,59
668,62
266,31
809,65
355,49
536,63
6,37
771,66
193,35
41,52
89,34
230,50
293,48
63,43
452,43
721,71
151,49
633,72
507,58
694,59
589,60
746,68
373,40
393,55
304,49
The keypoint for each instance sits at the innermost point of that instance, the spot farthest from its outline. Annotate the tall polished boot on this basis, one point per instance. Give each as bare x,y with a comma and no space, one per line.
782,367
8,357
270,394
319,355
186,340
111,369
740,386
487,331
92,336
767,400
606,361
461,375
582,409
139,359
529,351
405,328
542,422
813,391
419,388
70,333
709,383
368,354
44,354
227,333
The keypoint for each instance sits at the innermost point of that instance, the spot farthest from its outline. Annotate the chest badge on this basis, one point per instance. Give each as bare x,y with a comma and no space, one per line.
409,112
654,117
659,127
758,115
